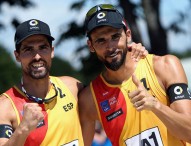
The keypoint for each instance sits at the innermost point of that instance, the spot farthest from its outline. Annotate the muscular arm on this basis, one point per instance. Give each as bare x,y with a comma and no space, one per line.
177,117
88,115
8,117
32,115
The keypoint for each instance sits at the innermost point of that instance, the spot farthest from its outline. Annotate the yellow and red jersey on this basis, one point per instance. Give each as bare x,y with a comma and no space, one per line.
60,126
122,123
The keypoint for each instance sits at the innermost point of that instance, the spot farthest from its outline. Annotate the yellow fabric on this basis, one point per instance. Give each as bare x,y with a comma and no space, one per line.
63,119
146,121
14,107
139,127
62,125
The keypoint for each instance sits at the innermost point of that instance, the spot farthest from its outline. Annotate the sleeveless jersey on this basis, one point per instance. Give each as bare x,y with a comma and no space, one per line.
61,125
122,123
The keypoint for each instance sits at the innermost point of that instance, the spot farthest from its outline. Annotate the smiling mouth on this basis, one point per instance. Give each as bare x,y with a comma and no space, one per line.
37,66
112,55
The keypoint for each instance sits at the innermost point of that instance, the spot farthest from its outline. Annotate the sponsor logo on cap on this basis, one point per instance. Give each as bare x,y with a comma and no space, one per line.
33,25
101,17
33,22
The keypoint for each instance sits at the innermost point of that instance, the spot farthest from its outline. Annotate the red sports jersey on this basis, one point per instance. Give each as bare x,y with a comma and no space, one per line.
122,123
61,126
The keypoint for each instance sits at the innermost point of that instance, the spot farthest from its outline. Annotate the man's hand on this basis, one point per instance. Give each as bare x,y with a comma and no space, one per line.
140,98
32,115
137,51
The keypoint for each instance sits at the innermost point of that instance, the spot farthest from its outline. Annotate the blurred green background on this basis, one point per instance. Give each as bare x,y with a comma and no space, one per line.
147,20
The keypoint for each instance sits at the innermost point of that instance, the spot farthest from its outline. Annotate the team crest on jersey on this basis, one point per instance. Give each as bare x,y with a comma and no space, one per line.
112,101
106,105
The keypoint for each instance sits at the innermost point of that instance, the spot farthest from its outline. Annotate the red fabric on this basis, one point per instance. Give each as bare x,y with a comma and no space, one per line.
116,101
36,136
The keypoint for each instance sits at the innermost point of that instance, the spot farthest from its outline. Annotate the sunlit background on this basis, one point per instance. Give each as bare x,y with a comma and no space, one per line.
58,14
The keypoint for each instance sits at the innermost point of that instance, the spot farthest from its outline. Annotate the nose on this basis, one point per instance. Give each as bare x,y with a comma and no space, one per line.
37,56
110,45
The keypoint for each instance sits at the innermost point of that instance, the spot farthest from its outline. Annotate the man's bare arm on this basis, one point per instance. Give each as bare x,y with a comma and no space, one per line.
32,115
88,115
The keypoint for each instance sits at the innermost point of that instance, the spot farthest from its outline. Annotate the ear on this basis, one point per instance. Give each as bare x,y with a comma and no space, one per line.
128,35
52,53
17,56
91,48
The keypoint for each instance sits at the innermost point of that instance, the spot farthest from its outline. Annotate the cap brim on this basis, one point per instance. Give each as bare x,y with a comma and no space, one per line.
118,26
51,38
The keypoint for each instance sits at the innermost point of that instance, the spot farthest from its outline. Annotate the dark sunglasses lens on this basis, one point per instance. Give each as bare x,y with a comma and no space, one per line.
107,6
95,9
91,11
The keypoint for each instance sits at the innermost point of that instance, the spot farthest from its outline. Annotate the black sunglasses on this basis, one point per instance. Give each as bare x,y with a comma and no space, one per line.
37,99
92,11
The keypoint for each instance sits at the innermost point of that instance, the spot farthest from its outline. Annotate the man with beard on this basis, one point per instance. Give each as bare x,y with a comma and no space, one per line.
41,109
144,103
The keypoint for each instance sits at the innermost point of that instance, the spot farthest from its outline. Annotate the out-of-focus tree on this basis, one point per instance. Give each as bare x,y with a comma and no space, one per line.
22,3
61,67
10,72
147,10
151,15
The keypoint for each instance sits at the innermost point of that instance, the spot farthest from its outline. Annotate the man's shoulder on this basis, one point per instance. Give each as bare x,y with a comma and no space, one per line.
169,70
66,79
4,101
166,59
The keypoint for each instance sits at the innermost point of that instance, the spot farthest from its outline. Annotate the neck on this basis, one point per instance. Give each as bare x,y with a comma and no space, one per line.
38,87
121,75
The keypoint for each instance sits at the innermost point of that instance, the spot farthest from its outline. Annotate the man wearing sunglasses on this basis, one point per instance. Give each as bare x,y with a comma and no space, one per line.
41,110
144,103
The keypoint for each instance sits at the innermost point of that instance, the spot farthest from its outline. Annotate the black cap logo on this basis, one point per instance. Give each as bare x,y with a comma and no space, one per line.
33,22
101,15
33,25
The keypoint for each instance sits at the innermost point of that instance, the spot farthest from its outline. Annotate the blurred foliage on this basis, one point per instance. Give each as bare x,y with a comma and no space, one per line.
22,3
61,67
185,54
148,10
10,73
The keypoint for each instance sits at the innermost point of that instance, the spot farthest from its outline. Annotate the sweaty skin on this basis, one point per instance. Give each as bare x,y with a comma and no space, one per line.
168,69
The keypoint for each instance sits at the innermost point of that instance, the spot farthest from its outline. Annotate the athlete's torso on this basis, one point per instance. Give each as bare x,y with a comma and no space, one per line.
61,126
122,123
